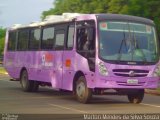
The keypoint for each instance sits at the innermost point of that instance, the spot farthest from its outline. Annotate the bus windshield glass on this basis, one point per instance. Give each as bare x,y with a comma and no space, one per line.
127,42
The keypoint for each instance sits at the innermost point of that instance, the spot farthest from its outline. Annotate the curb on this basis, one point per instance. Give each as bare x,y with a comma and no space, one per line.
153,92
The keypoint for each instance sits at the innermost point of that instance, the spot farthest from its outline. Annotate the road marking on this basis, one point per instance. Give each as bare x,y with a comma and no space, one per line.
22,98
72,109
150,105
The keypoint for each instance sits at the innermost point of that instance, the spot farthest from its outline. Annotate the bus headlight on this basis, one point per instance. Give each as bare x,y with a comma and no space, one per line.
157,71
102,69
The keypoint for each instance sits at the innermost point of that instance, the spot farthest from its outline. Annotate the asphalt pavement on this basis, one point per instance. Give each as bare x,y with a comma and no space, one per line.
48,101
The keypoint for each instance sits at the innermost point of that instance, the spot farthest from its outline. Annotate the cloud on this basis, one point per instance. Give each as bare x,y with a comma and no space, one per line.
22,11
2,5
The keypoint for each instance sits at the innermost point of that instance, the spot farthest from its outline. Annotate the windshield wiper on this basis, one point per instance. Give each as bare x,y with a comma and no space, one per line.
119,51
134,44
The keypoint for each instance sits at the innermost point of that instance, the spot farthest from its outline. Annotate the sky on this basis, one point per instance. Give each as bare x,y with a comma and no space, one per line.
22,11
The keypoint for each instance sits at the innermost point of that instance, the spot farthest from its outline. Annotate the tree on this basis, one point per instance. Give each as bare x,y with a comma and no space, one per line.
2,39
80,6
143,8
146,8
118,6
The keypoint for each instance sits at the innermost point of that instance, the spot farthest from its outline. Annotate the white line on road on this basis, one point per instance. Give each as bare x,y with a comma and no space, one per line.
150,105
68,108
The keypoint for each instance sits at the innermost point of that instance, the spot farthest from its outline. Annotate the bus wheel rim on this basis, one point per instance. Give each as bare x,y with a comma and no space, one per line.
80,90
24,80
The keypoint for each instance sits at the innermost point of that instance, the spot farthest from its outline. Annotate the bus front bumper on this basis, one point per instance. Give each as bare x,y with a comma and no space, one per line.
125,82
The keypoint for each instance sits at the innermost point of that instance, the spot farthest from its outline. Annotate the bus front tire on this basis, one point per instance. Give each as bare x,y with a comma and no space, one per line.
136,97
27,85
82,93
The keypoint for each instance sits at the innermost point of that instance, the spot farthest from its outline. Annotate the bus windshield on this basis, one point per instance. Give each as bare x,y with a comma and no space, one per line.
127,42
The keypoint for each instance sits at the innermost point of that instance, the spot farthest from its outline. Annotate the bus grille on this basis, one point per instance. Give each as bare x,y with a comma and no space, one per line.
130,72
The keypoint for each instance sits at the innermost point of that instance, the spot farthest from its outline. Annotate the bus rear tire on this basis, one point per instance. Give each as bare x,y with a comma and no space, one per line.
35,86
27,85
136,97
82,93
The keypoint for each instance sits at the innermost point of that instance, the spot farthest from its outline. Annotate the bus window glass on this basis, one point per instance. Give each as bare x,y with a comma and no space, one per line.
124,41
59,41
70,37
85,39
85,36
34,39
12,41
48,38
23,37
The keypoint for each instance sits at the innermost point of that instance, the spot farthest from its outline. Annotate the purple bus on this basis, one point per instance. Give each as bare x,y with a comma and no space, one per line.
85,53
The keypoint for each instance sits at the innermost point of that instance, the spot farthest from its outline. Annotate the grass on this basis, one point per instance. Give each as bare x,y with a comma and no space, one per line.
2,70
158,89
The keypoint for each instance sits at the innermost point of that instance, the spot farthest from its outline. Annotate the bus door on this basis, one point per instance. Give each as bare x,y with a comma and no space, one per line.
68,58
85,42
58,57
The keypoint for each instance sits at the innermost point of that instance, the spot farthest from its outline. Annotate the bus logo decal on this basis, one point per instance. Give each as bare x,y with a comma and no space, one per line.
131,73
47,60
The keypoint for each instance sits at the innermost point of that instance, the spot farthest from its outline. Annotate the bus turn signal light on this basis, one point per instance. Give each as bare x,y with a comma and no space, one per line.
68,63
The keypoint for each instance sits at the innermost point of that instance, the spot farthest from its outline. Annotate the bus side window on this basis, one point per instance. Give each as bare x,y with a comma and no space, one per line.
23,37
81,38
34,41
86,41
70,39
59,40
48,38
90,41
12,40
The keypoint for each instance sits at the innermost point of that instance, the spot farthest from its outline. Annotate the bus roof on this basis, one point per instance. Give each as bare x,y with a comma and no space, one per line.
66,17
121,17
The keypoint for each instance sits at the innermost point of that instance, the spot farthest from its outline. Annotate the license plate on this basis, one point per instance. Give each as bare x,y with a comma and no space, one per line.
132,81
